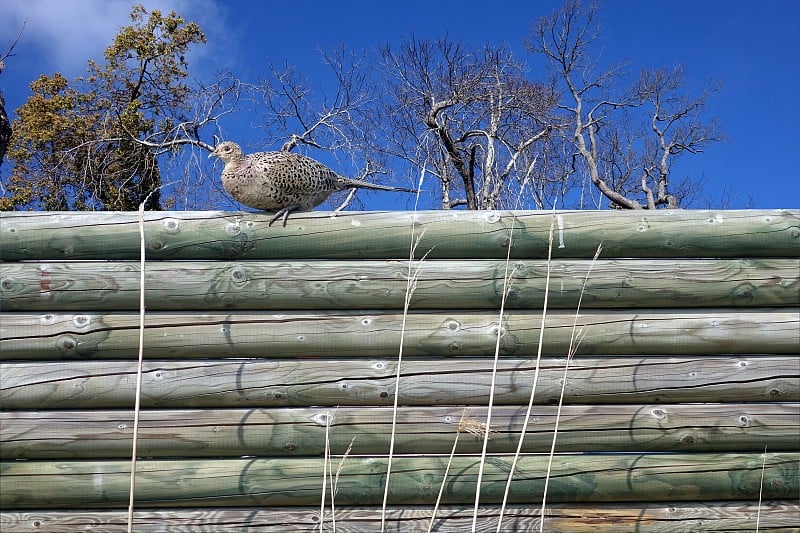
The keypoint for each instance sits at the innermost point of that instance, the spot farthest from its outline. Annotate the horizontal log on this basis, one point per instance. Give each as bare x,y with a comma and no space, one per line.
475,284
353,334
66,434
568,518
414,480
371,381
389,235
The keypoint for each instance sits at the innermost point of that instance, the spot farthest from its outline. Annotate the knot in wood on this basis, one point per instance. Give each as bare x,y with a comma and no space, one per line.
81,321
172,225
324,419
239,274
66,343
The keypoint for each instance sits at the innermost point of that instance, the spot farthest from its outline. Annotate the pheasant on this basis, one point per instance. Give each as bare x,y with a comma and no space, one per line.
282,181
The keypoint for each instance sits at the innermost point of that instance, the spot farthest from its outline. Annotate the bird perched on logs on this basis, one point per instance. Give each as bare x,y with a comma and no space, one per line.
282,181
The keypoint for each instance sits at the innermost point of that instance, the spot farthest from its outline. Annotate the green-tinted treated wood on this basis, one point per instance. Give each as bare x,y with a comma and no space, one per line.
568,518
369,381
388,235
349,334
414,480
476,284
67,434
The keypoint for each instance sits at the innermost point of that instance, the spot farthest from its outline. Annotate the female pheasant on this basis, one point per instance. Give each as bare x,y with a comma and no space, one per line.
282,181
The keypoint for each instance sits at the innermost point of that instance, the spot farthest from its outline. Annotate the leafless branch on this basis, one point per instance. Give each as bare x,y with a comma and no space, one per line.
10,52
473,111
609,144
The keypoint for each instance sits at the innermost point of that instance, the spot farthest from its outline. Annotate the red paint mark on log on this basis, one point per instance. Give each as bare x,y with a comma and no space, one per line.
44,281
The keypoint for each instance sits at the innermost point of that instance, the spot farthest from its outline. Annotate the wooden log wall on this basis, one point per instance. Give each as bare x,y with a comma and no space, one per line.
266,346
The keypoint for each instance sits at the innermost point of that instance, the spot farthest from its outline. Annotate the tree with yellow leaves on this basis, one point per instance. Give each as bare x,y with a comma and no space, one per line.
75,143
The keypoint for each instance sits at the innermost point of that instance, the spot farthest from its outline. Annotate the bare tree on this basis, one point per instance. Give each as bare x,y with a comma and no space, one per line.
5,125
306,114
675,118
334,117
625,139
469,116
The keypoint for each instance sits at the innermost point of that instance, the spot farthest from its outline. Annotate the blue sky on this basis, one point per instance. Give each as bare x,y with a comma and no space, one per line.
752,47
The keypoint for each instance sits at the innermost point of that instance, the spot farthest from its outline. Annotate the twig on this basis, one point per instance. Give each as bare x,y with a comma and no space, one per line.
346,201
10,51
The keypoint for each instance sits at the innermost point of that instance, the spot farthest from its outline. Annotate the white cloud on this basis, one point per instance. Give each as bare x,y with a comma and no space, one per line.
63,34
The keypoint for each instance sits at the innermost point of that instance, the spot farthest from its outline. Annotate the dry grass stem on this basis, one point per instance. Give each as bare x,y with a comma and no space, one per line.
470,425
507,278
138,393
411,284
761,490
341,466
326,459
574,342
537,368
446,471
335,483
475,427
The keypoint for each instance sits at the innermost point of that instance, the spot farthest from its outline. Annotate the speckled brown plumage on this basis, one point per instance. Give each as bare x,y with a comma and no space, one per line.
282,181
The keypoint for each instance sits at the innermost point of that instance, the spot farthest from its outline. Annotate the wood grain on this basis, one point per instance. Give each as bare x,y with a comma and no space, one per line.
415,480
71,434
371,381
669,233
445,284
567,518
355,334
